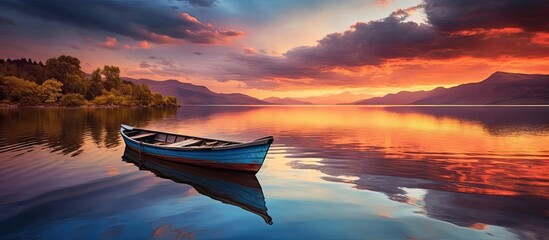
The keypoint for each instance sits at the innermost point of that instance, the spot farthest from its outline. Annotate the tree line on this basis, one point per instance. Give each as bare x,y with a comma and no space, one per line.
60,81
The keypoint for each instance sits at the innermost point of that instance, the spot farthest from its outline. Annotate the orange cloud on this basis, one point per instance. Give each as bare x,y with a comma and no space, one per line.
488,32
383,3
249,50
189,18
479,226
541,38
404,13
144,44
110,42
165,39
140,45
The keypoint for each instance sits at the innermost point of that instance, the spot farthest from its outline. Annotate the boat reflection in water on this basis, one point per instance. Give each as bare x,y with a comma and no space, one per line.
235,188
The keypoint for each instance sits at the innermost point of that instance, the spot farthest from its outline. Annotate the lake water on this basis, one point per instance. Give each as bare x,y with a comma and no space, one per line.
335,172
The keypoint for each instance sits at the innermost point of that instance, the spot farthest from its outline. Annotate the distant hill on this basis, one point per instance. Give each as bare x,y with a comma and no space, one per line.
285,101
401,98
344,97
500,88
190,94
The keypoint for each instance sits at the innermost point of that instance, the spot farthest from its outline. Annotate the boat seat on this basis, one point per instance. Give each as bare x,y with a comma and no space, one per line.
184,143
143,135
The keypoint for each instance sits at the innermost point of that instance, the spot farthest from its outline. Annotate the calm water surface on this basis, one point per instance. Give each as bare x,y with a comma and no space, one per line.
337,172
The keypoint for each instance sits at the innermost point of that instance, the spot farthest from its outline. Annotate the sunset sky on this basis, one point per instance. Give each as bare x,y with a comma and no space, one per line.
287,48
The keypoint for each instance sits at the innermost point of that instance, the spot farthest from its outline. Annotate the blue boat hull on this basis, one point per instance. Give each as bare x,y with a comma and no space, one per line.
246,158
229,187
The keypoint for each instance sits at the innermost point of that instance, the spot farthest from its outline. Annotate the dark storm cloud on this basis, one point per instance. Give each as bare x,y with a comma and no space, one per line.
368,44
452,15
374,42
394,38
202,3
273,66
6,21
165,62
259,70
144,64
140,20
161,66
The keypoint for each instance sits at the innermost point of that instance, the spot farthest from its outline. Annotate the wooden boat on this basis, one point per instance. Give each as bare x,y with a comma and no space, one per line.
238,189
214,153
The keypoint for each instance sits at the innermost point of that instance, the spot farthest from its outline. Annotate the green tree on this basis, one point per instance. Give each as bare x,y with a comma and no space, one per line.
95,86
20,91
127,88
112,77
157,100
66,69
19,81
142,95
75,83
170,101
51,90
73,100
24,69
108,99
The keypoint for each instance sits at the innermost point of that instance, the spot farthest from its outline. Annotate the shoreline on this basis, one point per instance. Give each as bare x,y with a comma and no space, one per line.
9,105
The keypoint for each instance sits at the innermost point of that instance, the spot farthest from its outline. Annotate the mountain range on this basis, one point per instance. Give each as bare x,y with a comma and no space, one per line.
285,101
326,99
190,94
500,88
334,98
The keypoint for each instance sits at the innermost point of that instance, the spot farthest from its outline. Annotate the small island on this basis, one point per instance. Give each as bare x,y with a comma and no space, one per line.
61,82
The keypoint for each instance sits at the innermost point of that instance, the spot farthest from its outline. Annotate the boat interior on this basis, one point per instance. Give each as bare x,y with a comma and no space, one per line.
173,140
